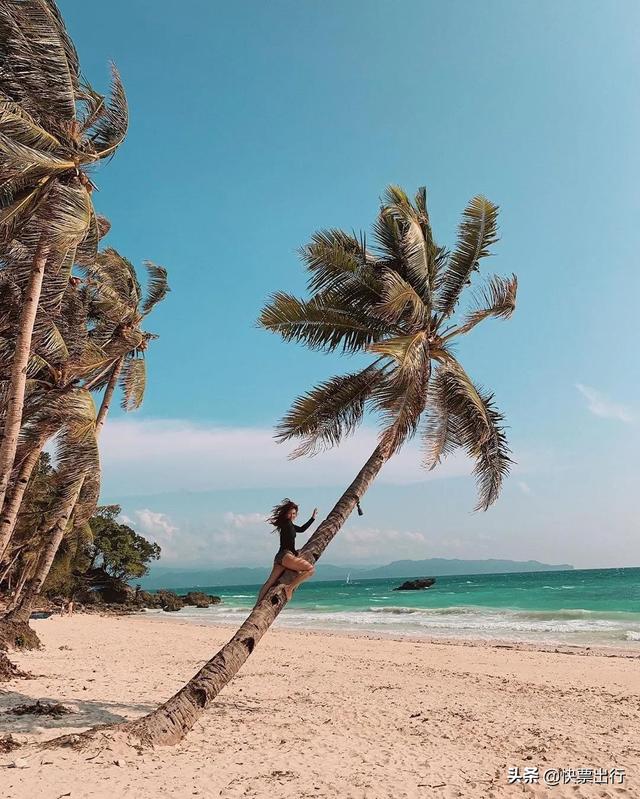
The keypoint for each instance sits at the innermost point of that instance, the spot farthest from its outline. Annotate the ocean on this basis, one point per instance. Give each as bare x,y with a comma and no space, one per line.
594,607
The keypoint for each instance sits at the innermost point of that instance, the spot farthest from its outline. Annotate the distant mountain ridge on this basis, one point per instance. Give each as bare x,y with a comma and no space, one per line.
166,577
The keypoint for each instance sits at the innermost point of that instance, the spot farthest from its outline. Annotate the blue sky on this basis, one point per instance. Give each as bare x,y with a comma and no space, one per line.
254,124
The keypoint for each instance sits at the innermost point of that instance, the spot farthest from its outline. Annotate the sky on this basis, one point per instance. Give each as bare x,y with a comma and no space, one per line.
255,124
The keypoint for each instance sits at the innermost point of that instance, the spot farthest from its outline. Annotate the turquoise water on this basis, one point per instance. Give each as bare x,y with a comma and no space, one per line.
583,607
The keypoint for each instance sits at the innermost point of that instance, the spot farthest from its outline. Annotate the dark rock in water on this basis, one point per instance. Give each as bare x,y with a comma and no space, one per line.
416,585
170,601
196,599
144,599
215,600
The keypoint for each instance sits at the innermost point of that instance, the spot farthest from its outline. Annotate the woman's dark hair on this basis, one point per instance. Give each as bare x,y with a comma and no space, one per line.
280,511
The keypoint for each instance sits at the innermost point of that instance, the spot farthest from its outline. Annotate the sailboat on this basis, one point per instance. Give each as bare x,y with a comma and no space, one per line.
348,579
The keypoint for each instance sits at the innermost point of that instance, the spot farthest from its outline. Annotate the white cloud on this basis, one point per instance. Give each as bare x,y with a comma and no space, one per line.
161,456
600,405
157,524
524,487
242,520
377,545
206,543
159,528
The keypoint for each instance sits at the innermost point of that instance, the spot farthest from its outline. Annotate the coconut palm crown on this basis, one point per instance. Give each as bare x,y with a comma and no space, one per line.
397,300
53,127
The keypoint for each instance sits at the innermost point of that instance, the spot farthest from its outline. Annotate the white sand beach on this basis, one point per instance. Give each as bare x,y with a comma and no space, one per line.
323,715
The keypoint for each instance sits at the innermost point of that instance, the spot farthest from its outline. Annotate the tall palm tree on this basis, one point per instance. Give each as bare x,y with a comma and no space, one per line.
113,349
61,354
53,128
78,470
395,301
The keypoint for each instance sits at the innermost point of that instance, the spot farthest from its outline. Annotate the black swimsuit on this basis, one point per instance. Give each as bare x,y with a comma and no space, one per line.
288,532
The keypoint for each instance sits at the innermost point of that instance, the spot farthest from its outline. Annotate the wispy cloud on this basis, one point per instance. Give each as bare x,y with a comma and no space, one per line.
524,487
160,456
601,405
242,520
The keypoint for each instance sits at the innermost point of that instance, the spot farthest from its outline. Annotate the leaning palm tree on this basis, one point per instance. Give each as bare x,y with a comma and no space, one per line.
111,350
395,301
53,129
78,469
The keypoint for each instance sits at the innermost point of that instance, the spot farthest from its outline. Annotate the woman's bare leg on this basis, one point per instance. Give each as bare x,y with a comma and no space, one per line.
275,574
303,568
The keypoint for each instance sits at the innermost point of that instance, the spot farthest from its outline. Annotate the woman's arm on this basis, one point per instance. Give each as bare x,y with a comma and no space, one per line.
308,524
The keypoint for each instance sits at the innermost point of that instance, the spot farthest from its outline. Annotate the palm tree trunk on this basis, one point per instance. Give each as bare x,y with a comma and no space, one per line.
21,610
108,394
169,723
12,505
17,382
13,500
4,574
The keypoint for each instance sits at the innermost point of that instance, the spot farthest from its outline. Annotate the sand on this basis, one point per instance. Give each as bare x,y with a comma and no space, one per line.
322,715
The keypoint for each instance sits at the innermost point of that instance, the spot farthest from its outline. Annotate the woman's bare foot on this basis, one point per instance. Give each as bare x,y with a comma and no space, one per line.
288,589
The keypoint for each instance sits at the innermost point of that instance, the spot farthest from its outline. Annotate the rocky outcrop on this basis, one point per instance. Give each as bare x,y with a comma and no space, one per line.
200,600
170,601
416,585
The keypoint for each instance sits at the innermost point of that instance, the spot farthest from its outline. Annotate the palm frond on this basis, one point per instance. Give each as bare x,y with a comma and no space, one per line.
157,286
492,462
497,298
477,232
110,127
318,323
133,382
74,408
401,399
38,62
400,301
69,215
329,412
330,256
19,126
478,428
408,351
417,242
87,249
440,434
49,342
20,160
93,106
20,207
341,267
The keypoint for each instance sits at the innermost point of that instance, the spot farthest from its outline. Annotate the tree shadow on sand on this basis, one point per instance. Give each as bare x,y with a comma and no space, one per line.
84,713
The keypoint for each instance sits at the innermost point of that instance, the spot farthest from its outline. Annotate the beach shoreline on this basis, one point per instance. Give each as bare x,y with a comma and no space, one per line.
320,714
602,650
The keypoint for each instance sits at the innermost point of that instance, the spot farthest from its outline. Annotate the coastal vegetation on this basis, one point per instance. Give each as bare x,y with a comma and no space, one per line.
70,315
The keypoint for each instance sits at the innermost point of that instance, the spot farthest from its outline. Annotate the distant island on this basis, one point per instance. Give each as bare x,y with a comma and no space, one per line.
166,577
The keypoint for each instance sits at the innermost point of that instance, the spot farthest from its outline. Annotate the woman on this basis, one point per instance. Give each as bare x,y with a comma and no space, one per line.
282,518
